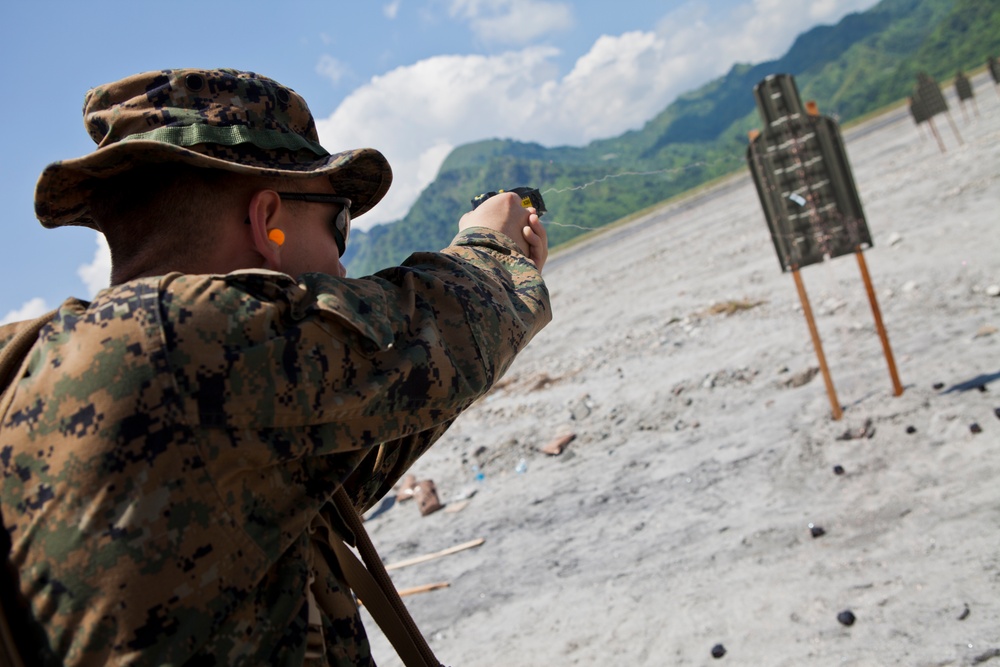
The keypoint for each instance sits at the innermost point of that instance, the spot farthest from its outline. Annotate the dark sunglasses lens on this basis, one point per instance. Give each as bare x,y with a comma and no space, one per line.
342,228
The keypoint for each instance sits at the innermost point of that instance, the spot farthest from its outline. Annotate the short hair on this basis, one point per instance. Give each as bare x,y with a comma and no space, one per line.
158,208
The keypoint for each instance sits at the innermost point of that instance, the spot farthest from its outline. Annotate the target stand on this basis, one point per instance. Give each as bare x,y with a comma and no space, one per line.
810,201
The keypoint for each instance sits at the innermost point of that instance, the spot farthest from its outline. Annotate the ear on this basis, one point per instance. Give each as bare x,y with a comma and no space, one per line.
262,214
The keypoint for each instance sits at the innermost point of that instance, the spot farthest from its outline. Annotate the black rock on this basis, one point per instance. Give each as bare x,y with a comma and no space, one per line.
939,385
982,388
997,413
975,428
911,429
965,613
838,470
846,617
718,651
817,531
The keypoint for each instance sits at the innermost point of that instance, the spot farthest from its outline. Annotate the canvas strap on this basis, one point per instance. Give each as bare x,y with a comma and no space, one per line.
13,363
374,587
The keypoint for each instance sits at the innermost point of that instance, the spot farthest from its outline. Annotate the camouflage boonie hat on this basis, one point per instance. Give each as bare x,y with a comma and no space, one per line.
223,119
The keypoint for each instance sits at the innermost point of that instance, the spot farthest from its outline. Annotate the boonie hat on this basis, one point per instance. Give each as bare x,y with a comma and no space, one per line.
224,119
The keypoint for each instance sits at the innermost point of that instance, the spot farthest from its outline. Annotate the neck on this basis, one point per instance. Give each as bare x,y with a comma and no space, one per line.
217,263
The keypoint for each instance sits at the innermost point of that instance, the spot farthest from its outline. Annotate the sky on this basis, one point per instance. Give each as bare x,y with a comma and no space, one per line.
412,78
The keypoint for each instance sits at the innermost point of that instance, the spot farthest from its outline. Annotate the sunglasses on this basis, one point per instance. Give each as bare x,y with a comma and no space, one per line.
342,223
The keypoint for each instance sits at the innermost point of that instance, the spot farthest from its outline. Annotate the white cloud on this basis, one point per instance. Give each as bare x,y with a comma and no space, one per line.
97,275
512,21
391,10
330,68
752,31
414,114
30,310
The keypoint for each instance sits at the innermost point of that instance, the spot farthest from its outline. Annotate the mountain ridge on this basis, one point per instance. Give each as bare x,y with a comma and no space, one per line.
864,62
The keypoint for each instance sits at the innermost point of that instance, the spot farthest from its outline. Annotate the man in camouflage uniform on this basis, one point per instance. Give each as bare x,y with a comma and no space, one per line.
171,447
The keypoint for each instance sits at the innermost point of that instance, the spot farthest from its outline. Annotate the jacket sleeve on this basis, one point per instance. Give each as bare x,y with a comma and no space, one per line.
371,360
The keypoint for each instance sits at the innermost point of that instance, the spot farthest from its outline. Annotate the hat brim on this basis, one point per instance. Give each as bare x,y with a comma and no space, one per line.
62,195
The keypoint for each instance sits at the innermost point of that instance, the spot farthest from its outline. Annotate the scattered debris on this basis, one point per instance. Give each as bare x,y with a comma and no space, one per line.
846,617
996,411
427,497
816,531
453,508
464,494
993,290
866,431
730,307
556,446
729,377
406,488
975,428
802,378
831,306
580,409
911,429
718,651
838,470
423,589
982,388
540,382
985,330
965,613
894,239
471,544
521,467
938,386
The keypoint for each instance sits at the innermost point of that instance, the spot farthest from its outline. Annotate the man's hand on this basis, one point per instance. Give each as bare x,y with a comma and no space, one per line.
503,213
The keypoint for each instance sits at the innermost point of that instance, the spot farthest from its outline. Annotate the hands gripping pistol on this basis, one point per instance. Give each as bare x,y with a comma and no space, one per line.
529,197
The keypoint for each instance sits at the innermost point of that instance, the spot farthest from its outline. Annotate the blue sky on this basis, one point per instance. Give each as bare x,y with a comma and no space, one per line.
413,78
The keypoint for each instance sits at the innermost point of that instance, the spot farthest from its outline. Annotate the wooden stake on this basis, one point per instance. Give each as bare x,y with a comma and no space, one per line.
831,392
886,348
954,128
423,589
437,554
930,121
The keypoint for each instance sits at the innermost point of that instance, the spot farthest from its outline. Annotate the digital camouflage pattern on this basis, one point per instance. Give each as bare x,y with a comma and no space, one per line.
168,459
220,118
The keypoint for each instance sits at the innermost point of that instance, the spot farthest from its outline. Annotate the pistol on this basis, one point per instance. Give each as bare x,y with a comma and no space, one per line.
529,197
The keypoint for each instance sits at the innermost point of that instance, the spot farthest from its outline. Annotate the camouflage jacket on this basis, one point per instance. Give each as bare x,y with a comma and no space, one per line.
169,456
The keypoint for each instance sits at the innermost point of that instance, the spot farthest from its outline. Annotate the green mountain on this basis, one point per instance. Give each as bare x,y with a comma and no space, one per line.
865,62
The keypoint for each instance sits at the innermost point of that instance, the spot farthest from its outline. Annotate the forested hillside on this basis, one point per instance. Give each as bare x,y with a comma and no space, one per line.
863,63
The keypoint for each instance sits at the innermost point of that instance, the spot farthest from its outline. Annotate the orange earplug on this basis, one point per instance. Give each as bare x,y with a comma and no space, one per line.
277,236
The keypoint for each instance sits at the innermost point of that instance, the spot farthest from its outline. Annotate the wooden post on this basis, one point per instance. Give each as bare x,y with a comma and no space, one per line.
886,348
954,128
831,392
930,121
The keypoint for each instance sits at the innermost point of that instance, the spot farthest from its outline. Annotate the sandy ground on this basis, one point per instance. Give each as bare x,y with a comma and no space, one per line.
679,517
